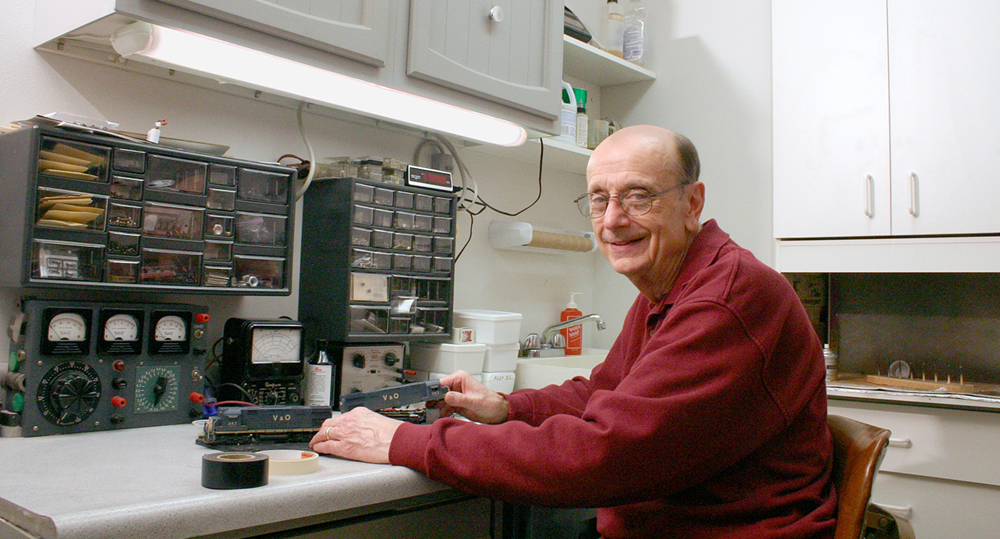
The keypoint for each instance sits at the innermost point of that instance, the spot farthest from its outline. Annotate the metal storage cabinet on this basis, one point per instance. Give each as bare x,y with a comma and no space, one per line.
377,262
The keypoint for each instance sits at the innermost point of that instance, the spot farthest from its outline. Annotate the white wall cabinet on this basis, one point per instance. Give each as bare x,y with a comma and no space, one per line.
506,51
884,122
940,471
357,29
449,51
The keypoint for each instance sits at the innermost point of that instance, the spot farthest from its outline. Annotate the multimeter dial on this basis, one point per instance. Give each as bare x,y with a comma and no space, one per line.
121,327
67,327
170,328
156,389
69,392
276,345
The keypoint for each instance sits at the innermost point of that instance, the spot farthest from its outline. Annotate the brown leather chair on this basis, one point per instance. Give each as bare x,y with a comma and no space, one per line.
858,449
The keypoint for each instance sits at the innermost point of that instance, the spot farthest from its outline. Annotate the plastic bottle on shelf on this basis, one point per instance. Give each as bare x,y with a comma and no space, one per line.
832,367
614,28
572,335
634,40
567,117
582,122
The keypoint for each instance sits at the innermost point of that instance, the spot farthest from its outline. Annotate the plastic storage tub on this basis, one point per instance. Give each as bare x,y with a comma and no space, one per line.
499,381
492,327
447,358
500,357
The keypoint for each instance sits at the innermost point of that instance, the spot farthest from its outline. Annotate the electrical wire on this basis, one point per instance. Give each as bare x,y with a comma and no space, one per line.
312,155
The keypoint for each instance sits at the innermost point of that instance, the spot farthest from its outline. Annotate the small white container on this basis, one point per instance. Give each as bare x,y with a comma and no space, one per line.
500,357
447,357
492,327
499,381
423,376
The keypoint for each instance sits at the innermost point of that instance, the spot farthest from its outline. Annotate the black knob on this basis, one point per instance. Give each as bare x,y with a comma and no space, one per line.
117,420
119,383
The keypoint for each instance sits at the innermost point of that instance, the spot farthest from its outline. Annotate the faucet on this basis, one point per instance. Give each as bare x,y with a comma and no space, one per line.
550,342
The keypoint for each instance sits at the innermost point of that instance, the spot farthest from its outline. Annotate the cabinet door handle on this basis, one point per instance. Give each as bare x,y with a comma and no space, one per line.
496,14
904,443
904,511
869,196
914,195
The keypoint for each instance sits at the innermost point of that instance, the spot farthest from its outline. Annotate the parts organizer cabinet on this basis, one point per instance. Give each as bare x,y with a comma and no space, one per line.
940,471
377,262
87,211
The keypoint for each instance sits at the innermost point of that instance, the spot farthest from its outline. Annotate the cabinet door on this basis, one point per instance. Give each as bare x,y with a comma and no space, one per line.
516,61
944,64
938,508
831,118
357,29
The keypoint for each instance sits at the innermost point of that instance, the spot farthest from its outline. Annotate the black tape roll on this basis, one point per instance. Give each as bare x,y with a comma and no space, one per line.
233,470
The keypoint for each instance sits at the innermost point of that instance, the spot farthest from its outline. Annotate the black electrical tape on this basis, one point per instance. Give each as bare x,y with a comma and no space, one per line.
233,470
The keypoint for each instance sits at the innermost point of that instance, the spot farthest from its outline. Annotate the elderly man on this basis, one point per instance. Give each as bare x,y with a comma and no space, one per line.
708,417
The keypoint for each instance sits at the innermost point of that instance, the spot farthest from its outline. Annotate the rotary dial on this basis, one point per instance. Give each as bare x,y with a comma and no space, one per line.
69,392
156,389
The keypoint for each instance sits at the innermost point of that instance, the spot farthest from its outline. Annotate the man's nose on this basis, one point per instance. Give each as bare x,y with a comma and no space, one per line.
615,215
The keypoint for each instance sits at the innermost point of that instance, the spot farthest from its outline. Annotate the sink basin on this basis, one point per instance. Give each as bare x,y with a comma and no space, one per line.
543,371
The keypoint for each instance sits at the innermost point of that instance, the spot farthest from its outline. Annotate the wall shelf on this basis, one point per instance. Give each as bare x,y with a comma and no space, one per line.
599,68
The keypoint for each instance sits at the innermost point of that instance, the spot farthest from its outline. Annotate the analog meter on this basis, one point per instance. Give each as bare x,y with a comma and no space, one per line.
122,331
264,358
68,332
170,332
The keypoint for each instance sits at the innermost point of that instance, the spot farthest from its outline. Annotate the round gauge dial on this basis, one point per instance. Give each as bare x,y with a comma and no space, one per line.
170,328
156,389
69,392
899,369
278,345
121,327
67,327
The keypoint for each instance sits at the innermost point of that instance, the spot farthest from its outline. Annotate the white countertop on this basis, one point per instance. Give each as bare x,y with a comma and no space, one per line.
146,483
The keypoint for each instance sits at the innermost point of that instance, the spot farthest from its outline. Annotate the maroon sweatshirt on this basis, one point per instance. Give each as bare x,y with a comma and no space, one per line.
707,419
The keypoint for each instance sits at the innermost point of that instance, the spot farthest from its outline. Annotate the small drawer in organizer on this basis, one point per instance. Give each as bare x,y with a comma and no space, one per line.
381,239
122,271
218,251
170,221
161,266
57,208
221,199
361,237
216,276
219,226
258,271
262,186
126,188
123,243
260,228
123,215
179,175
68,261
73,159
222,175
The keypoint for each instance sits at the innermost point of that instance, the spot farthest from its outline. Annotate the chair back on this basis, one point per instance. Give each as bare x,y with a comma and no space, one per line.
858,449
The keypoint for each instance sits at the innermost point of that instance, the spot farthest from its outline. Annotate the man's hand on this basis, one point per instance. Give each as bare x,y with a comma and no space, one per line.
360,434
469,397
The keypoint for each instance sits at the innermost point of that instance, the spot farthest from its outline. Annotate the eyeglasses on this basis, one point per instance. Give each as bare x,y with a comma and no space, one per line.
634,202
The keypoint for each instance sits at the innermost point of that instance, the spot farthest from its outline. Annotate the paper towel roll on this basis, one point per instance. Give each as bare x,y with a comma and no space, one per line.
563,242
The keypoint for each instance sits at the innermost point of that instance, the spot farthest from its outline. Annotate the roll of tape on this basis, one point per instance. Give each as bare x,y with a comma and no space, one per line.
233,470
291,461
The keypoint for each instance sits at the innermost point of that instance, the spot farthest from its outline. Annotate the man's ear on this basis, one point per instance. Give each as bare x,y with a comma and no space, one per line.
694,194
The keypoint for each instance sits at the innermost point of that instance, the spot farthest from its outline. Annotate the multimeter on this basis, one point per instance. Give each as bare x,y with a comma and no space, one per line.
262,361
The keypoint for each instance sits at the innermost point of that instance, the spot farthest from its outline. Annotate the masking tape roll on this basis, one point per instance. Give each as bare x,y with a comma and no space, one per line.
233,470
291,461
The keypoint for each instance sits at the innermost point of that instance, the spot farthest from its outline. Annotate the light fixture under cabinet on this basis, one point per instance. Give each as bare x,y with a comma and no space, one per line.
205,56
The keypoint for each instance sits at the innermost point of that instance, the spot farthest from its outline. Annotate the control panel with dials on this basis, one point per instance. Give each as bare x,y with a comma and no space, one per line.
89,366
362,368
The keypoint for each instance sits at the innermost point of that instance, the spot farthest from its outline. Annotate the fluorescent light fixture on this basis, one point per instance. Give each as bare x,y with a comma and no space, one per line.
209,57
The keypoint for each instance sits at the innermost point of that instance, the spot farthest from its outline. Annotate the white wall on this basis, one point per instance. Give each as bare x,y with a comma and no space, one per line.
713,61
